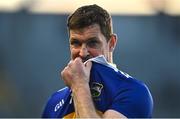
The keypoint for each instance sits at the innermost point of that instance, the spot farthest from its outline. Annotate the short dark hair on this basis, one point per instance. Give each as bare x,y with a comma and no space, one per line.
89,15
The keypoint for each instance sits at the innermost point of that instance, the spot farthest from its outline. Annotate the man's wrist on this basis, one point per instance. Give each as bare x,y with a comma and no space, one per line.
80,88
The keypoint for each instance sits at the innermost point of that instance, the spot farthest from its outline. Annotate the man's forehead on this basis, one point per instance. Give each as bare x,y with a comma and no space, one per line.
83,38
90,28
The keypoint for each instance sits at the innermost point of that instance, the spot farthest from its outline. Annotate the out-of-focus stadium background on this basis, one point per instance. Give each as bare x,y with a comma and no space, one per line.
34,48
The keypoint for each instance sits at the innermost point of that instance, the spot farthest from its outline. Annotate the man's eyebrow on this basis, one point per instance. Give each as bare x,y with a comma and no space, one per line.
73,39
92,38
89,39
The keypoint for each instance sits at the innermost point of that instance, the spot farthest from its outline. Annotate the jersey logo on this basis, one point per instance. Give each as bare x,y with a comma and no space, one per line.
96,89
60,104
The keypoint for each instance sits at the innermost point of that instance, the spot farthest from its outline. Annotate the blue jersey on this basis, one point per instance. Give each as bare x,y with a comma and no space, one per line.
110,89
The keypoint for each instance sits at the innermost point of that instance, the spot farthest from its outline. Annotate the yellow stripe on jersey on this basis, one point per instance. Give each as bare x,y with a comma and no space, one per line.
71,115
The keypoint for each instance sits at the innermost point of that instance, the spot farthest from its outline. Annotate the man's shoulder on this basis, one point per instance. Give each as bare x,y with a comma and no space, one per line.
56,101
122,83
113,78
132,83
60,93
58,96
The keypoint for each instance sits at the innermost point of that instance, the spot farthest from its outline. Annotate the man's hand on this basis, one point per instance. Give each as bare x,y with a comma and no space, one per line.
76,73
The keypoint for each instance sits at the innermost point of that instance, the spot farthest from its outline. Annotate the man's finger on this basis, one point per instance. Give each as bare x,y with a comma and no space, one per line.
88,65
70,63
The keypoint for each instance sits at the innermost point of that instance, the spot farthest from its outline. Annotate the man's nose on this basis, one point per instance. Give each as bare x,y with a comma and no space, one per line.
84,51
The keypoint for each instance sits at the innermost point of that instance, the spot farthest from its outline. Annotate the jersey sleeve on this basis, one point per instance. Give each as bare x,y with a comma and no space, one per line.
48,108
135,102
55,103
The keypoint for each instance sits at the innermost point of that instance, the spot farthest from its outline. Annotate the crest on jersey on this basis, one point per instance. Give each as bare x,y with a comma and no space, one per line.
96,89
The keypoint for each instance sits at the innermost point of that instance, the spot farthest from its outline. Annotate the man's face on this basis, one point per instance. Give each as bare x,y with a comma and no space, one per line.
88,42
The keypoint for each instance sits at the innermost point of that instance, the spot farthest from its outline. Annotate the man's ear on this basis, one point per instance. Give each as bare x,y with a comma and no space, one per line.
112,42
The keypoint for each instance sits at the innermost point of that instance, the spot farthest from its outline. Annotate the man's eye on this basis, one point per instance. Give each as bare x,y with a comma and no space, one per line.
92,44
75,43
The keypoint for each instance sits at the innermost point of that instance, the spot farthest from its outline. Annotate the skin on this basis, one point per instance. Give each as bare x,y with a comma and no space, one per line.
86,43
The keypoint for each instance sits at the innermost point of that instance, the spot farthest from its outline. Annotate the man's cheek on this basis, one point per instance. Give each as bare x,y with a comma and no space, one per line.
96,53
74,53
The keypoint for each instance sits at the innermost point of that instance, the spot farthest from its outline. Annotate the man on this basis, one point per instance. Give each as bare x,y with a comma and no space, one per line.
94,90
